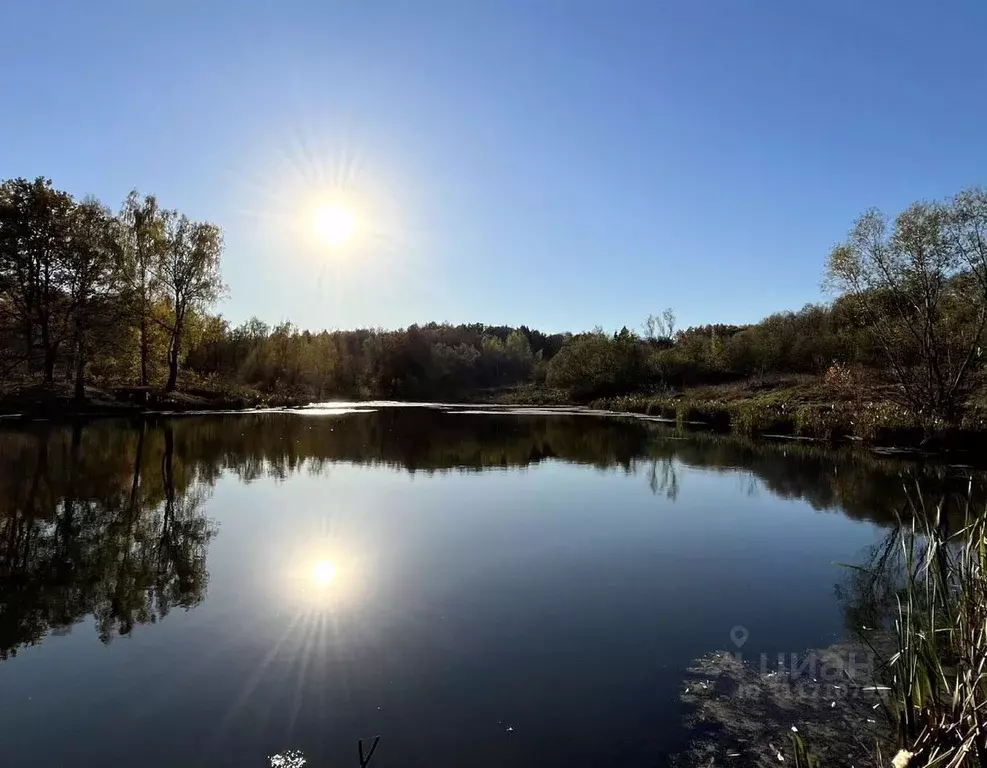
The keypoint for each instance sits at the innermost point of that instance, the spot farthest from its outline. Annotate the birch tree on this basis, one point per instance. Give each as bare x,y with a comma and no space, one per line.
190,278
141,249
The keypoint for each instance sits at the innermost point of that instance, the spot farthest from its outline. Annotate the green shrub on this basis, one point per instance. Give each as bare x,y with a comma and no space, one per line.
596,365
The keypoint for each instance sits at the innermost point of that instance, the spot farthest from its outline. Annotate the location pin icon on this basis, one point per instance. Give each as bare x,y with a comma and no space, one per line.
739,635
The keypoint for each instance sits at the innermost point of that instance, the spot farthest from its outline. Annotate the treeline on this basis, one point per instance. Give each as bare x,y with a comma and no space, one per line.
808,341
128,298
440,360
419,362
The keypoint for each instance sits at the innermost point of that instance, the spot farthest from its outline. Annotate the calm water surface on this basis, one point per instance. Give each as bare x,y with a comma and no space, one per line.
483,589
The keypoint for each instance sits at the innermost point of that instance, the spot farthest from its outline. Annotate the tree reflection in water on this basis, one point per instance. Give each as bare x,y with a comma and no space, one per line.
102,521
109,518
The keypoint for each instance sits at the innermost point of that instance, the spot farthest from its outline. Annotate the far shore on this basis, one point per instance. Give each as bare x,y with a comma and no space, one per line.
785,409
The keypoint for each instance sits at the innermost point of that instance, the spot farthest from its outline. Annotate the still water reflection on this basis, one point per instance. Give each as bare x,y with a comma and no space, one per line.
479,589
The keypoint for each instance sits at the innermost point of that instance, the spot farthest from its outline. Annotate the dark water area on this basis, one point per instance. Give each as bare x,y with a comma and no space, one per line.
478,589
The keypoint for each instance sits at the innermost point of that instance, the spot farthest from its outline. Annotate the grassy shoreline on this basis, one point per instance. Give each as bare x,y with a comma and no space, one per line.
799,407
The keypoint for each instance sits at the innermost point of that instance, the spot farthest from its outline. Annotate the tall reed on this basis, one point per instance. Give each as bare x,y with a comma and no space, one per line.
938,672
936,665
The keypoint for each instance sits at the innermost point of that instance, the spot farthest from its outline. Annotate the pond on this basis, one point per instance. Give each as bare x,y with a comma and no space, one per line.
477,587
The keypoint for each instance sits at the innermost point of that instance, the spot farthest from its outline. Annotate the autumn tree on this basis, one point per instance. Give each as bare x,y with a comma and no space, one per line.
91,279
190,278
920,285
34,232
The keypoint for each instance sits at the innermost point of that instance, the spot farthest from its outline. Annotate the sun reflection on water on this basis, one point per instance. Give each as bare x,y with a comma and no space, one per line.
321,582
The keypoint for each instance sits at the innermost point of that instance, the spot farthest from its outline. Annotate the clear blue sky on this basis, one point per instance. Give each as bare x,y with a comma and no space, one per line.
558,163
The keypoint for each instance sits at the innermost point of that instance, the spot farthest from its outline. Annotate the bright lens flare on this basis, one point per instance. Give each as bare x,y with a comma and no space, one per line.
324,573
334,224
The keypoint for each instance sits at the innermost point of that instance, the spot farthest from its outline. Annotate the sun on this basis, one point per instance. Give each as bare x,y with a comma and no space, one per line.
323,573
334,223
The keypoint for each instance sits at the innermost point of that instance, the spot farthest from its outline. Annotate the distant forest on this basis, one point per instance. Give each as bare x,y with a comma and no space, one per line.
110,299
